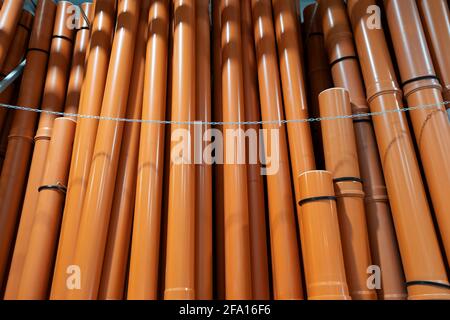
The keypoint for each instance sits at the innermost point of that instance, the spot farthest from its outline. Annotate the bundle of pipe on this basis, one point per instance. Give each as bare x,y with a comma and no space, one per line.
114,207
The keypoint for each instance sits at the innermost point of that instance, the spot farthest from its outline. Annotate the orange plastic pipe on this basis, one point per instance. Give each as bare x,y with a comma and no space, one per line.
38,261
318,71
18,154
346,74
236,218
14,57
180,251
321,240
218,179
255,181
51,200
341,159
53,100
93,229
90,104
421,87
112,284
4,137
285,250
203,181
9,18
419,249
294,92
144,259
435,16
79,58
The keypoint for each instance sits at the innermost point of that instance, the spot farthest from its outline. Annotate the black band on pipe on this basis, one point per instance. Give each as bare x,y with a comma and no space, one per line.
83,28
315,199
361,120
62,37
348,179
25,27
342,59
419,79
428,283
315,34
37,49
56,187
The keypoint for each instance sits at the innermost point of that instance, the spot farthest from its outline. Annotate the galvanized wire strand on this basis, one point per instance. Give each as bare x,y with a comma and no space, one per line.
216,123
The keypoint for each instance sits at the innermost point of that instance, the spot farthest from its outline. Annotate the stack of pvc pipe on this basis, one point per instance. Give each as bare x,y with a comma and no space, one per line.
222,149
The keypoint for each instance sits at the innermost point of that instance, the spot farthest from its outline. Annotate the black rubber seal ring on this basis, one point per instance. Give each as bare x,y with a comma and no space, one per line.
342,59
316,199
428,283
37,49
419,78
83,28
62,37
56,187
348,179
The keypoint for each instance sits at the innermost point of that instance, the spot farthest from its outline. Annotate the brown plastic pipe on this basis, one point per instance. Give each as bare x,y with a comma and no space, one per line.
93,229
18,154
53,100
9,18
421,87
435,16
321,241
218,181
236,217
255,181
346,74
285,250
90,104
4,137
180,251
39,258
144,259
341,159
46,222
318,71
14,57
115,264
419,249
203,181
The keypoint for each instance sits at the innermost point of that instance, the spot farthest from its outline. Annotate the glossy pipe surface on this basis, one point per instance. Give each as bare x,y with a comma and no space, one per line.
346,74
144,259
21,136
414,228
421,87
180,254
115,264
255,181
53,100
283,238
203,181
91,100
321,241
93,230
